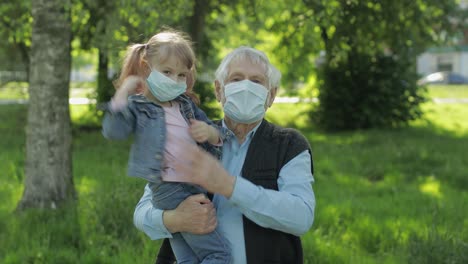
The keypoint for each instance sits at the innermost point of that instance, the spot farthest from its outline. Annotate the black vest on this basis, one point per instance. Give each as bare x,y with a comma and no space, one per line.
271,148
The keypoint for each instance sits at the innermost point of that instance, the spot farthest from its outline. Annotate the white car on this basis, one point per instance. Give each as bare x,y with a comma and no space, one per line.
444,77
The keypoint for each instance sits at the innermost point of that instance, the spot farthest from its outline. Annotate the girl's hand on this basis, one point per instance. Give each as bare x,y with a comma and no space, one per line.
202,132
204,170
131,85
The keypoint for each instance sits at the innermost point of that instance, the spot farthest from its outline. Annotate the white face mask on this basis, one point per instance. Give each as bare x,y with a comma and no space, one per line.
163,87
245,101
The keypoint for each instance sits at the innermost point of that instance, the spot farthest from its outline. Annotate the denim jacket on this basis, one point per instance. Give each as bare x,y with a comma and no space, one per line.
146,121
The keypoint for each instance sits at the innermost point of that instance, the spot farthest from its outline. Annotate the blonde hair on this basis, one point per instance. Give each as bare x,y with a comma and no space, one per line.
160,47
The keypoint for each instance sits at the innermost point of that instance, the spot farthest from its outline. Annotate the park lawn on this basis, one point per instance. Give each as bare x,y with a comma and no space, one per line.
14,90
383,196
448,91
19,90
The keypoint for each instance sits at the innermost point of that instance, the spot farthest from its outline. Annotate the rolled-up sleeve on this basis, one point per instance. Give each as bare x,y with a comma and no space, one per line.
291,208
150,219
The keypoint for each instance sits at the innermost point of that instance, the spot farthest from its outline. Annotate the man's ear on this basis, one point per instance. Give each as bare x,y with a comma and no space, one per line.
272,95
217,90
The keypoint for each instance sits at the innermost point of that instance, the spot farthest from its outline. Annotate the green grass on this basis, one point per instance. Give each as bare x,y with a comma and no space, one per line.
14,90
19,90
448,91
383,196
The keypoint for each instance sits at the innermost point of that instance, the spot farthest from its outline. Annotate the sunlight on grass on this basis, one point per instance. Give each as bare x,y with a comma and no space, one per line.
77,111
19,90
445,117
14,90
86,185
448,91
11,193
350,181
322,247
85,115
289,115
431,186
397,229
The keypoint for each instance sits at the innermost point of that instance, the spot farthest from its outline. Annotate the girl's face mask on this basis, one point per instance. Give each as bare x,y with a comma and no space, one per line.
245,101
164,88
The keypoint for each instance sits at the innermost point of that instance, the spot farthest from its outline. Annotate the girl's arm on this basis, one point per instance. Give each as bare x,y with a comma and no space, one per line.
119,121
118,124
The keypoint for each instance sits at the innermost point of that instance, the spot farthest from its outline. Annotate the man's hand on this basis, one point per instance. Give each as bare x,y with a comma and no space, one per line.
202,132
203,169
195,215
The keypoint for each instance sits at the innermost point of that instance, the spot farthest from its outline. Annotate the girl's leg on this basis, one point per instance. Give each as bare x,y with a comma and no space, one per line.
182,250
167,196
209,248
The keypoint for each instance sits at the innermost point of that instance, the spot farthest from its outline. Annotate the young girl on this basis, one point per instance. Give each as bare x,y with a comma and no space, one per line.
161,118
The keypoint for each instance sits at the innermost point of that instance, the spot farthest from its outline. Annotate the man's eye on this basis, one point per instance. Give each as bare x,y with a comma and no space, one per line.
257,81
182,75
166,72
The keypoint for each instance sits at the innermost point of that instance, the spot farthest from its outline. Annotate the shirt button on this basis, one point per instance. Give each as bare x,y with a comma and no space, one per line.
158,156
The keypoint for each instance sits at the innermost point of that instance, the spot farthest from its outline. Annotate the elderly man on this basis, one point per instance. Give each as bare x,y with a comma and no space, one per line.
263,199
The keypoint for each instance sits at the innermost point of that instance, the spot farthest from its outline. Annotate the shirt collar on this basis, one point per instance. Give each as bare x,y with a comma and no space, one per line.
249,135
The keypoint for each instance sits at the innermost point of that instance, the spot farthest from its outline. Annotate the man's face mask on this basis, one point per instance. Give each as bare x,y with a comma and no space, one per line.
245,101
164,88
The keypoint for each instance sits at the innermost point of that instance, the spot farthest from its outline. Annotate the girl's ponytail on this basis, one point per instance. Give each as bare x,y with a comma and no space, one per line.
133,63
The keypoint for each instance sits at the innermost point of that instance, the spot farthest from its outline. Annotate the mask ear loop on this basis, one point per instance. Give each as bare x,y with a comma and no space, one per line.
149,65
270,95
144,60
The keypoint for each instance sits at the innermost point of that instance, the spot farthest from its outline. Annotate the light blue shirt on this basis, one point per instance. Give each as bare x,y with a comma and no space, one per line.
290,210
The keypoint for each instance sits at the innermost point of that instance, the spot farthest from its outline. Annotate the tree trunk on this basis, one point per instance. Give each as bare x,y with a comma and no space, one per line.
48,180
104,85
197,24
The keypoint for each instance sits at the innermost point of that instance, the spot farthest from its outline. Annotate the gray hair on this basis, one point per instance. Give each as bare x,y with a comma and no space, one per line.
255,56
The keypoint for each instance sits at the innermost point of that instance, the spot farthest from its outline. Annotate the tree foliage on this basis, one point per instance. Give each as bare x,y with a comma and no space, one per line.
369,78
292,33
15,32
365,91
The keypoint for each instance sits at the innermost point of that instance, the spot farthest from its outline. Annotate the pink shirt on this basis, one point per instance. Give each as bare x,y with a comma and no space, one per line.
177,131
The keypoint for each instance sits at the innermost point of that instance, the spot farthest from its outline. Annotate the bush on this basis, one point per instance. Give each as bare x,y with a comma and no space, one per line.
362,91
